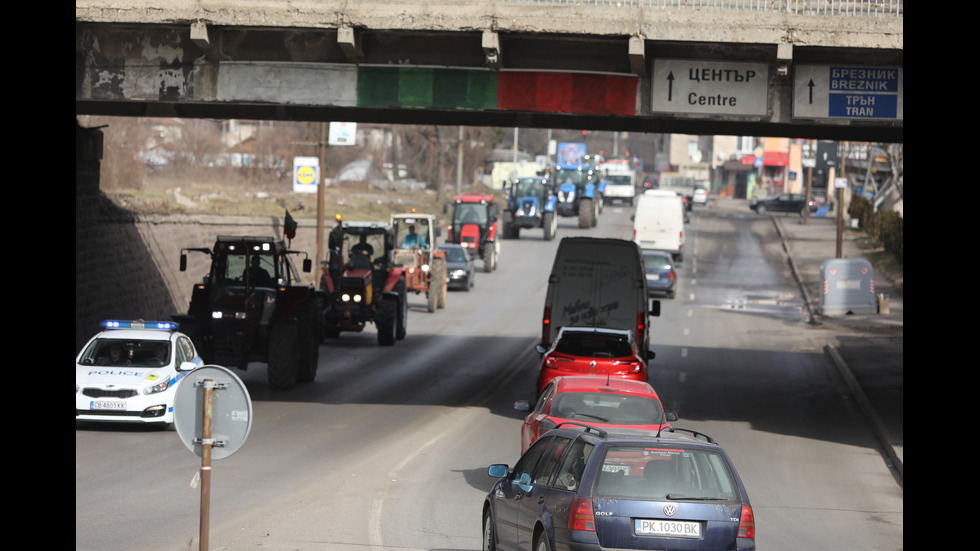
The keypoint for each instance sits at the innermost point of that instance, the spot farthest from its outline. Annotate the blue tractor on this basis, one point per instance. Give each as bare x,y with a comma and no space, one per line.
530,204
579,192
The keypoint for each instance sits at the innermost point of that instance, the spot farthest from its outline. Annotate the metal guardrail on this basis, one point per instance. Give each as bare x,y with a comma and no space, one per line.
852,8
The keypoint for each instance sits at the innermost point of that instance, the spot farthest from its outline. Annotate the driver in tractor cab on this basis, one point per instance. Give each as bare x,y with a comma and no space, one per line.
471,217
256,275
360,255
413,240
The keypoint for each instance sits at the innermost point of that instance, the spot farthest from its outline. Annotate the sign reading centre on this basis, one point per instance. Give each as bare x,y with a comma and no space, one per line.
847,92
306,174
710,87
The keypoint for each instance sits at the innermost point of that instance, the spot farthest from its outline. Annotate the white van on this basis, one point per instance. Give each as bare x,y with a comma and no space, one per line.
658,222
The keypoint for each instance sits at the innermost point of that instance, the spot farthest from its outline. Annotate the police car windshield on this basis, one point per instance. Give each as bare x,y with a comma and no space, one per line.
127,352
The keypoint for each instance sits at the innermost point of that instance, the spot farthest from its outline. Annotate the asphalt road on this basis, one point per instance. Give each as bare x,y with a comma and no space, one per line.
388,447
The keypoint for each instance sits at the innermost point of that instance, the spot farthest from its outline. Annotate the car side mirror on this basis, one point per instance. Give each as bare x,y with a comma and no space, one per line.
522,405
498,470
670,416
540,348
307,265
655,308
651,354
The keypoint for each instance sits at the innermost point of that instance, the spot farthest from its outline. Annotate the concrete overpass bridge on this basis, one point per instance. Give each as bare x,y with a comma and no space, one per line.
824,69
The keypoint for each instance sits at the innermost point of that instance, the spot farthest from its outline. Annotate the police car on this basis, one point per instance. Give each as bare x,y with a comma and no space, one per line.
129,372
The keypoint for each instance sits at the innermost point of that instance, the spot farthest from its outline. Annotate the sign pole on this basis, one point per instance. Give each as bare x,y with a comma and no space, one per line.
206,443
320,194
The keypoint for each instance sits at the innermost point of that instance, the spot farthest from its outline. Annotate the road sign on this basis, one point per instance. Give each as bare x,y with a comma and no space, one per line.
306,174
710,87
343,133
848,92
231,410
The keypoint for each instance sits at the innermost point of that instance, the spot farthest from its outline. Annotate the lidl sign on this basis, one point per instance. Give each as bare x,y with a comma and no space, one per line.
306,174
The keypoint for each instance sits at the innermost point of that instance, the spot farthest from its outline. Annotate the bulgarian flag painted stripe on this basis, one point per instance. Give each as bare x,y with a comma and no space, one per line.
574,93
578,93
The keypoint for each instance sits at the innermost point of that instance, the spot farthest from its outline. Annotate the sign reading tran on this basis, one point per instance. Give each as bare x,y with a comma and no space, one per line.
847,92
342,133
710,87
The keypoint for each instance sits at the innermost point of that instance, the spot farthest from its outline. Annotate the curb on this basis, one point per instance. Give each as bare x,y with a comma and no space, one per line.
877,427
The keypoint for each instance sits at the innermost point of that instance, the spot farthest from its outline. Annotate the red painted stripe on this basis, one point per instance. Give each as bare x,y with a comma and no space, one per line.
567,93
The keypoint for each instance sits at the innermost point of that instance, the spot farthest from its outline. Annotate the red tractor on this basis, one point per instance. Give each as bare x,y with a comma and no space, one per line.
361,283
416,252
474,227
251,308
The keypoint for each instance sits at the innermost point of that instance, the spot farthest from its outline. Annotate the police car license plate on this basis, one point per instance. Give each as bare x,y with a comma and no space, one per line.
669,528
109,405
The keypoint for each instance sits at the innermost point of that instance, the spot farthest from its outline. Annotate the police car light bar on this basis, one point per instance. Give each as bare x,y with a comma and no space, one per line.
139,324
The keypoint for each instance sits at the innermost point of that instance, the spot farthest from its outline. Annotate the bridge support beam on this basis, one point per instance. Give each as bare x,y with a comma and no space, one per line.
637,53
348,43
491,49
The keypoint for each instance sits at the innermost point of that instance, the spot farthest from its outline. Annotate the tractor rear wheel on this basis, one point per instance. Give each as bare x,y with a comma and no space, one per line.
282,354
386,320
489,257
308,345
439,280
550,224
401,323
586,213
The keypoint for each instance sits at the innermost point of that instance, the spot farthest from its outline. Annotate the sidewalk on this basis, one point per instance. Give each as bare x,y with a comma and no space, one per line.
869,349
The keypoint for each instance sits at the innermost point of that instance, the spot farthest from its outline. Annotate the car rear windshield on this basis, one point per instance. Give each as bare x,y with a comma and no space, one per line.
604,407
665,473
454,254
656,262
594,345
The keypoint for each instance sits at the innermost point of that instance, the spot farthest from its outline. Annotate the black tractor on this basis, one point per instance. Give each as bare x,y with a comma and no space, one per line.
251,308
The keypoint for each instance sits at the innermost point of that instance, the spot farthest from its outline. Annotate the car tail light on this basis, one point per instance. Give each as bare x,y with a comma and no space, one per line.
672,276
583,518
641,326
546,325
746,525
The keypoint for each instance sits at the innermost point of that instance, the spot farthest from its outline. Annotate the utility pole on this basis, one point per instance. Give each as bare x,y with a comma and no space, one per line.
842,155
459,162
320,194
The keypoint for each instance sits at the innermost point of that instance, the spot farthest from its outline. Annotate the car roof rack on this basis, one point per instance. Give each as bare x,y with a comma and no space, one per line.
692,432
588,428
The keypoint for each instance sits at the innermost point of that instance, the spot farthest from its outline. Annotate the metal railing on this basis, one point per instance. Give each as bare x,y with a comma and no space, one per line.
854,8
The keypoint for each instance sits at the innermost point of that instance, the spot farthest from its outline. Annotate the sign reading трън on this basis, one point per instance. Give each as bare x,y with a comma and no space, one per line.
845,92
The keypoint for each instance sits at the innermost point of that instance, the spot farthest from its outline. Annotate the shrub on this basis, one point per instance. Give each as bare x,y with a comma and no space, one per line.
886,228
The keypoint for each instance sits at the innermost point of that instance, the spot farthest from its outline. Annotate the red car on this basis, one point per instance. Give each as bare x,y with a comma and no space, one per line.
597,401
593,351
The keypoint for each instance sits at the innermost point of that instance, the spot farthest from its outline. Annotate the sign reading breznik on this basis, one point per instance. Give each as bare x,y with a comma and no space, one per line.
710,87
848,92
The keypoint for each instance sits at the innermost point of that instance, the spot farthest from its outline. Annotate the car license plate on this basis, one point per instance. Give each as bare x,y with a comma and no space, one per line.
653,277
109,405
669,528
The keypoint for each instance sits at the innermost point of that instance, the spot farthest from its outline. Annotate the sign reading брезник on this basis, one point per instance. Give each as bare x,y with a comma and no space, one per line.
847,92
710,87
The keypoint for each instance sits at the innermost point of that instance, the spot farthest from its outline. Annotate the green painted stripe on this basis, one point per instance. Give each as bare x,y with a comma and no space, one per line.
426,88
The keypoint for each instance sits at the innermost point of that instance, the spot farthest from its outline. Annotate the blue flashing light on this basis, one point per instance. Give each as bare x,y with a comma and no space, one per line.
139,324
